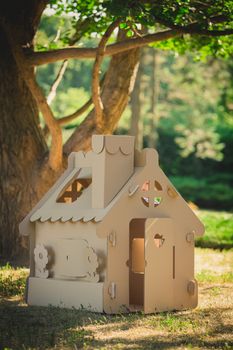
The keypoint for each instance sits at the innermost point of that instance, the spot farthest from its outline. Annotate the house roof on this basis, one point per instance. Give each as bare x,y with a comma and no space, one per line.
83,166
145,167
81,209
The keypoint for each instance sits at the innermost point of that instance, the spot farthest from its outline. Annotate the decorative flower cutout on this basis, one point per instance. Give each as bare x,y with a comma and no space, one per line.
41,260
41,256
92,260
92,264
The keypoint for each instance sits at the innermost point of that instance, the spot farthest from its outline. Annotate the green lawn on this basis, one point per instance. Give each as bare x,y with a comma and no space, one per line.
207,327
219,229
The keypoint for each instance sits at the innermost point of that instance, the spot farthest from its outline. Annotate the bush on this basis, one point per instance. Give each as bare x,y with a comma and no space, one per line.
12,281
206,192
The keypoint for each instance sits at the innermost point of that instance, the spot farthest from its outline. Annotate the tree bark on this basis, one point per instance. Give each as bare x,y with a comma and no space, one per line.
154,91
117,87
22,146
25,177
44,57
136,123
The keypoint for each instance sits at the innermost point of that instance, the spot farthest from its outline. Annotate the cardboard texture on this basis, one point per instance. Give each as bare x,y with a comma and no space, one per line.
113,235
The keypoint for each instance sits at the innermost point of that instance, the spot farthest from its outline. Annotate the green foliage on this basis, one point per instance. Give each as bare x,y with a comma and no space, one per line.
204,143
86,18
69,101
194,126
12,281
211,171
219,229
202,47
91,18
77,75
49,35
194,108
204,192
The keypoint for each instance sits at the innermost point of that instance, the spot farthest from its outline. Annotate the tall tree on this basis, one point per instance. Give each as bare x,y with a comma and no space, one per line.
28,165
154,97
136,121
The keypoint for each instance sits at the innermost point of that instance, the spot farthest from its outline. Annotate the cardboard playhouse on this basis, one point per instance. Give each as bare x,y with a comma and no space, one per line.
112,235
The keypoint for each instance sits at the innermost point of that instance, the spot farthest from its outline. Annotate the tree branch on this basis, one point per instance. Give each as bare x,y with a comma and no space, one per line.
99,107
192,28
206,32
80,28
55,155
44,57
117,86
40,58
58,79
69,118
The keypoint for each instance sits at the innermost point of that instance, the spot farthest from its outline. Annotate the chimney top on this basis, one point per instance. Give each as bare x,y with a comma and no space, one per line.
113,143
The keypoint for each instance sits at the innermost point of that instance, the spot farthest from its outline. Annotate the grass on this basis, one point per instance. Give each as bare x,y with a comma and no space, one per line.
219,229
12,280
207,327
205,276
214,266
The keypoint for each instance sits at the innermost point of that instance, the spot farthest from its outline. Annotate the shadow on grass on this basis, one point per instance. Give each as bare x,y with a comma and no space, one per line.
184,342
211,244
23,327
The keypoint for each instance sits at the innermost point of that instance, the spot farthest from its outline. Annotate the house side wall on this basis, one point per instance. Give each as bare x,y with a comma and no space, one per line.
49,234
118,269
117,222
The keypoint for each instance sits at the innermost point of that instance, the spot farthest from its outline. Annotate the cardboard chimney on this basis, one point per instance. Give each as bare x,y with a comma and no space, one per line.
112,235
112,167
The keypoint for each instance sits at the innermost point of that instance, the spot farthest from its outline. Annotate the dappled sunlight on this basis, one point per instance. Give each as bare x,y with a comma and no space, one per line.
215,261
203,327
216,296
206,327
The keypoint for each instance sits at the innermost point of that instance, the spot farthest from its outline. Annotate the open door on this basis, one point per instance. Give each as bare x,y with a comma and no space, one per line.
159,265
136,264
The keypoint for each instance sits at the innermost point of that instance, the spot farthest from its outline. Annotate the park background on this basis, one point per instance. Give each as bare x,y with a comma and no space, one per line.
182,104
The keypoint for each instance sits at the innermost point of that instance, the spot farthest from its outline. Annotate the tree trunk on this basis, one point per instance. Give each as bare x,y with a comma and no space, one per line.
136,124
24,178
154,91
21,141
118,85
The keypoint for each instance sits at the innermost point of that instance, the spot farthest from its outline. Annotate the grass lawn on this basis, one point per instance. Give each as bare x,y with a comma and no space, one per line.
219,229
209,326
